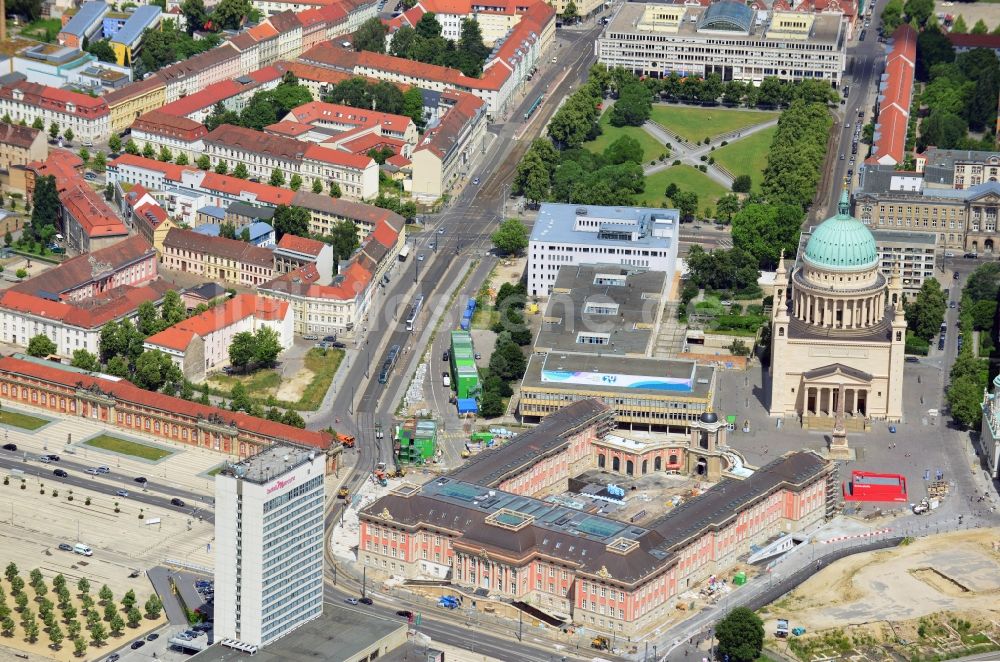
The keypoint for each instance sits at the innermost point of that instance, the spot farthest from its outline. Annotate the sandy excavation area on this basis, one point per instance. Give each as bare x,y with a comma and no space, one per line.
957,572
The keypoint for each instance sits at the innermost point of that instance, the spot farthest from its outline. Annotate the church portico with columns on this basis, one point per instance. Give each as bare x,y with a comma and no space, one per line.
838,332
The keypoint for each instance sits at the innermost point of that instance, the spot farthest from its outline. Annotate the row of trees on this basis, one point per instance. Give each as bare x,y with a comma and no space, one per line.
226,15
970,374
508,361
926,312
166,45
796,155
732,270
772,92
110,620
960,95
424,42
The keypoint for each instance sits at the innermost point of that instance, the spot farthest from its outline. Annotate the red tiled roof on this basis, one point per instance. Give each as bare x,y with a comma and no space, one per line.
288,128
316,112
167,124
249,140
385,235
78,271
443,137
301,244
974,40
215,319
170,170
56,99
311,72
399,161
369,141
92,212
205,98
128,392
265,75
153,213
271,195
90,314
338,158
351,282
233,249
17,135
891,139
132,90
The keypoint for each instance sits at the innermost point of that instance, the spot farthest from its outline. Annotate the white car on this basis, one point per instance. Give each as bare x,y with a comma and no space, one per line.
420,258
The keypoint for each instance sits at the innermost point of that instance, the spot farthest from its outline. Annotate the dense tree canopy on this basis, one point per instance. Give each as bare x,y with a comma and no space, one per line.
102,50
735,269
291,220
511,237
359,93
424,43
370,36
765,230
741,635
796,155
926,312
633,107
167,44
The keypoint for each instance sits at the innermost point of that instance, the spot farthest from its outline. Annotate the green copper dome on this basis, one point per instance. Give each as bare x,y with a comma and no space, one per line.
842,242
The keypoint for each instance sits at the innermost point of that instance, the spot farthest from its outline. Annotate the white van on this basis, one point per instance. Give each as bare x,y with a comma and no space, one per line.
80,548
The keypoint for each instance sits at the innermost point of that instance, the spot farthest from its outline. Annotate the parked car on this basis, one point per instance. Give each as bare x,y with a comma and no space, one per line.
44,459
329,338
121,493
10,447
61,473
475,182
114,657
445,356
103,470
136,645
65,547
142,480
93,471
310,337
152,636
420,258
351,601
366,601
176,502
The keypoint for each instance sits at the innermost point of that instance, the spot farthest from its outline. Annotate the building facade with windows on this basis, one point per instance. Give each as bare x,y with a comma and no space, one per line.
486,528
732,39
217,258
838,333
570,235
989,438
87,116
269,542
962,220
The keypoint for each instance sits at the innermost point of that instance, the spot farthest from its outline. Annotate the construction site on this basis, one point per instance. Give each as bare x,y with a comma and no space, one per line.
934,598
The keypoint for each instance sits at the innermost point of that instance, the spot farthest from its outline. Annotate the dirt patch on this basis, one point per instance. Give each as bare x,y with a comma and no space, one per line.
291,389
952,572
939,581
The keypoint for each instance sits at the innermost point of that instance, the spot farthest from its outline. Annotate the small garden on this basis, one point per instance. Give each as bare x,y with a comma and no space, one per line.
23,421
127,447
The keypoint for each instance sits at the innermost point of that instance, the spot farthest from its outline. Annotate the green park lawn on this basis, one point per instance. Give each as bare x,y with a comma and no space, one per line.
651,148
126,447
23,421
695,124
687,178
747,156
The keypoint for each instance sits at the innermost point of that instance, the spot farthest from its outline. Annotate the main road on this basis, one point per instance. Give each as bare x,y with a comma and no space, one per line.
459,233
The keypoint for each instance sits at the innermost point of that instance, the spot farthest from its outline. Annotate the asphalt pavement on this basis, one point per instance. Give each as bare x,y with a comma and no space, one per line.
150,494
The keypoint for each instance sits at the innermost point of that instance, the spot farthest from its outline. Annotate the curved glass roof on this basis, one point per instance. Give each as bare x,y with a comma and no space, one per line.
727,15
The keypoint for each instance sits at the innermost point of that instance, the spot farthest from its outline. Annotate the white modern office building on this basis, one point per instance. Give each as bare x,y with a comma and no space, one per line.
729,38
269,545
569,235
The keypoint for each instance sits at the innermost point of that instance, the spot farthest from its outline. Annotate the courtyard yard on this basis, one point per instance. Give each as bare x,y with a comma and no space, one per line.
651,148
127,447
747,156
687,178
694,124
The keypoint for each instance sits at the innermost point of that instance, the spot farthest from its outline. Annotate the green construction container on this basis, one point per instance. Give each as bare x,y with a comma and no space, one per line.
740,579
417,441
464,374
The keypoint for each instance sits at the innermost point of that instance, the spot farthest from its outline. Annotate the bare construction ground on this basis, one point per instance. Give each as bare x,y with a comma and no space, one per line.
937,595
